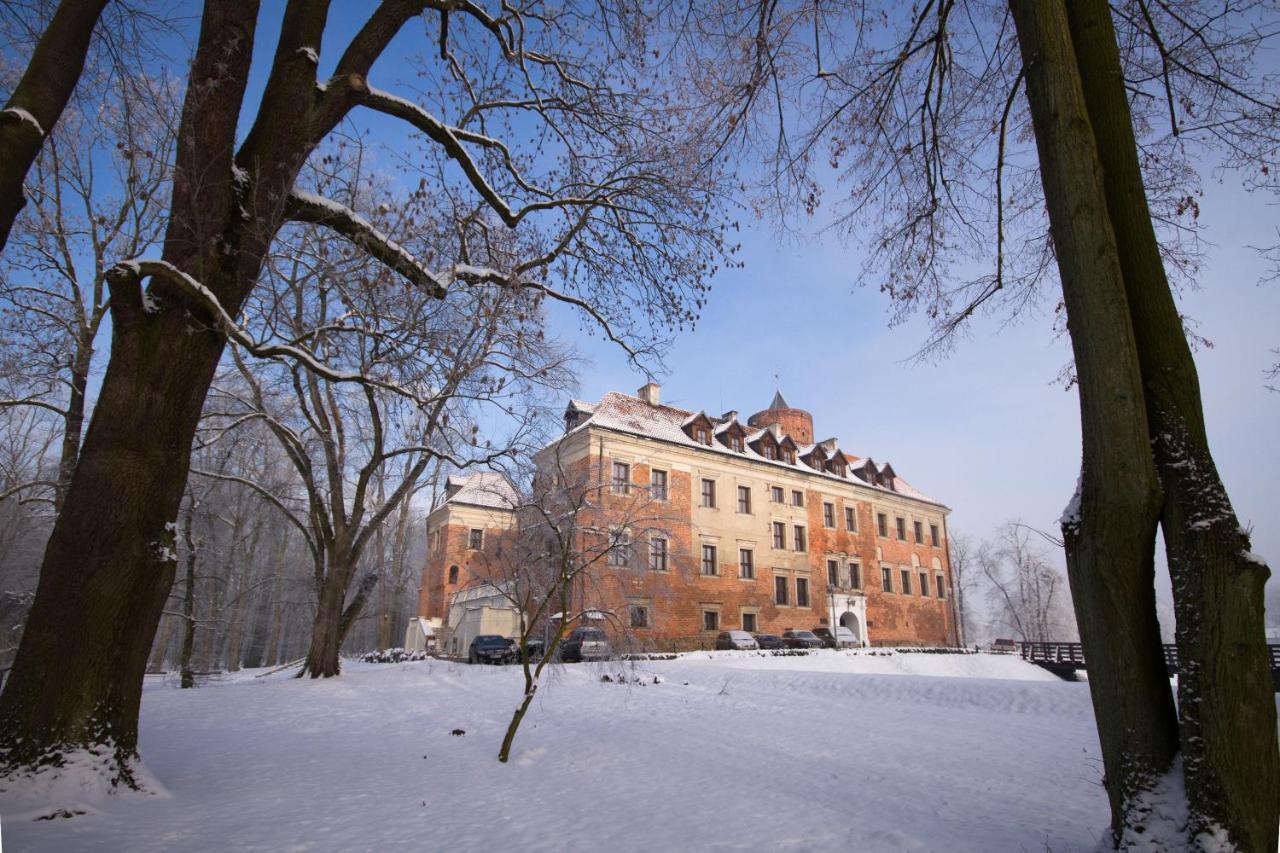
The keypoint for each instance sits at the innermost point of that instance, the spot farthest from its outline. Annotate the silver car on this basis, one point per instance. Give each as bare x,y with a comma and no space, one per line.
585,644
728,640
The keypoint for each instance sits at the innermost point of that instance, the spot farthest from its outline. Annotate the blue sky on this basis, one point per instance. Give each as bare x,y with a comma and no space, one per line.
989,431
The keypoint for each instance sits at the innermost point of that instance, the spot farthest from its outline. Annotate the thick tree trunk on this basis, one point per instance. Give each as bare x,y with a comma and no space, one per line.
1110,529
326,631
42,93
1225,695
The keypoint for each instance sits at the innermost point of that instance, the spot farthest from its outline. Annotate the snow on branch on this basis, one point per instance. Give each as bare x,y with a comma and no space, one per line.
307,207
132,272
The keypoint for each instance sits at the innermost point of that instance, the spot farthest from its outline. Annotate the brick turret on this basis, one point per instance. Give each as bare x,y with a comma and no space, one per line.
796,423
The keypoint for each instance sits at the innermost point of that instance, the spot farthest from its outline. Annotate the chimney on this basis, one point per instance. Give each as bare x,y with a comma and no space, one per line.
651,393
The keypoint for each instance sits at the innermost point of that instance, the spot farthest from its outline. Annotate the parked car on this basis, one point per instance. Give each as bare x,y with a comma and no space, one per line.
769,641
728,640
842,639
489,648
585,644
535,647
801,640
1004,646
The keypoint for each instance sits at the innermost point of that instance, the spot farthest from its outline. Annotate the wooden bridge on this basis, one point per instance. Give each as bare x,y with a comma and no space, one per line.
1065,659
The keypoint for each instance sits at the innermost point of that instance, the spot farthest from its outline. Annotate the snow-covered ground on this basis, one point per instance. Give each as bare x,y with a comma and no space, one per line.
847,751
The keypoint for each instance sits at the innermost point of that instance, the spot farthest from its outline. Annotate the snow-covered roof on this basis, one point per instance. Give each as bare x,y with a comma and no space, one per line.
483,488
624,413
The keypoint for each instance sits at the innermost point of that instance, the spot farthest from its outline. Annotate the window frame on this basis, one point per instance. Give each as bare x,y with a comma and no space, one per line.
886,579
746,564
855,574
924,584
620,484
638,609
851,519
714,613
781,593
802,592
829,515
797,497
934,539
755,621
658,491
708,494
779,535
744,499
917,529
710,559
882,525
475,539
833,573
800,538
905,578
659,553
900,528
777,495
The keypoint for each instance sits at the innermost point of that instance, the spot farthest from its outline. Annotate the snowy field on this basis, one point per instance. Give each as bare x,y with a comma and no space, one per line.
835,751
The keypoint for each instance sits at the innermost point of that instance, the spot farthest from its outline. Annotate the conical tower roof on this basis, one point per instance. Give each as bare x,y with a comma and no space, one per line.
778,402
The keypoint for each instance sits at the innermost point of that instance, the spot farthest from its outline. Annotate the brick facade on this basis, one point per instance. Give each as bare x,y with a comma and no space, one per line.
642,435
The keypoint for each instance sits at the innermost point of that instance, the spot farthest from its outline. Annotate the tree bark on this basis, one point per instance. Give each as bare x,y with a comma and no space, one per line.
1225,696
1110,537
43,92
327,629
73,419
109,562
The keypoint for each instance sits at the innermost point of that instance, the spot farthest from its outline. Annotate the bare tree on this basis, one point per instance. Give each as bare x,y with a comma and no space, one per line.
547,121
576,543
1027,594
963,581
98,192
1066,130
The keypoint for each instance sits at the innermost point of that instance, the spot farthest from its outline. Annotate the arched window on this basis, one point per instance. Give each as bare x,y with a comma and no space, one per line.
453,574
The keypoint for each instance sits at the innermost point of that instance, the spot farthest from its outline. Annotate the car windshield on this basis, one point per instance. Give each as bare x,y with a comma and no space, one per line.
590,634
768,638
805,635
491,640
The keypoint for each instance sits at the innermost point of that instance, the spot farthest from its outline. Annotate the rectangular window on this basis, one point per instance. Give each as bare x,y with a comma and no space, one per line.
710,620
802,592
619,548
828,515
780,590
657,554
744,499
476,540
775,494
658,484
833,572
800,538
746,563
709,493
933,534
918,529
882,524
942,593
886,578
704,437
621,478
736,443
797,497
749,622
850,519
709,564
906,582
769,452
901,524
779,535
924,584
639,616
855,576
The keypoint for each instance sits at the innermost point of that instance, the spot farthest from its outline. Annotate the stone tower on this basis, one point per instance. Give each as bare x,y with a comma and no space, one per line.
796,423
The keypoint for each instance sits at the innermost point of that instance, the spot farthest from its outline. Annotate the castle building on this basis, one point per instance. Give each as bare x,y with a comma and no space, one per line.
759,527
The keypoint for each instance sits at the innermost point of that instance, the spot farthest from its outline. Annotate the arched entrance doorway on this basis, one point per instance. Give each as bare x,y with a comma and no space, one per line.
849,620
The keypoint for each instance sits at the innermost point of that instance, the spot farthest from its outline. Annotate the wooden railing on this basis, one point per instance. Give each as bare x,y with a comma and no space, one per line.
1070,656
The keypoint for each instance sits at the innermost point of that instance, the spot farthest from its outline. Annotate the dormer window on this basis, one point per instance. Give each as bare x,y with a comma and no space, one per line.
789,456
735,442
702,436
769,452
